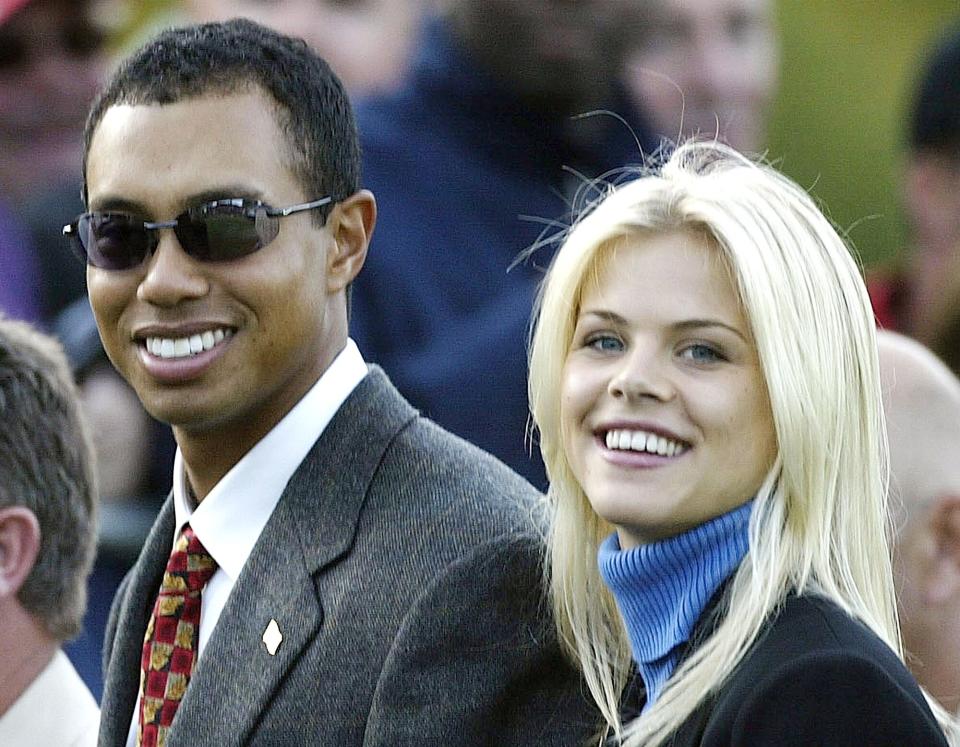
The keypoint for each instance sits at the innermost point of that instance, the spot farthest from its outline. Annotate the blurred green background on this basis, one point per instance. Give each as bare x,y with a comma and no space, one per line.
848,69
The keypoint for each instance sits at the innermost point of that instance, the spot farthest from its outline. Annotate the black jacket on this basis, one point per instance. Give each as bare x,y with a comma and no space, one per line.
815,677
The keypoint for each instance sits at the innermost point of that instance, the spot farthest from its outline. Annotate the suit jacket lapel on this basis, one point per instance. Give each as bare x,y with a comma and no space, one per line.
122,678
313,526
237,674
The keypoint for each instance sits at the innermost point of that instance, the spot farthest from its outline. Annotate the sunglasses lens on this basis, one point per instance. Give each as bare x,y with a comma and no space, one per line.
113,241
219,233
211,233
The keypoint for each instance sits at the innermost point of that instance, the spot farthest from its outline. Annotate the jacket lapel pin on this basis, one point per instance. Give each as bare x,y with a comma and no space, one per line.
272,637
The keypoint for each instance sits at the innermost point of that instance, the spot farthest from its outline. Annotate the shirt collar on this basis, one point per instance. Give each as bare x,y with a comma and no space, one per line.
230,519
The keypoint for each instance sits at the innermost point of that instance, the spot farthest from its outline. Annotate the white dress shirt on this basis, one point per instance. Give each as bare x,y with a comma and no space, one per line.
230,519
56,709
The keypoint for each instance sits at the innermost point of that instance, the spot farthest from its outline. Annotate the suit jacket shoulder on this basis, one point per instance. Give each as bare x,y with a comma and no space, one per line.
402,568
816,676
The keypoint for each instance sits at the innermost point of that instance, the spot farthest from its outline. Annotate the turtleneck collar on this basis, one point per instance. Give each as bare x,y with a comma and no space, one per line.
663,588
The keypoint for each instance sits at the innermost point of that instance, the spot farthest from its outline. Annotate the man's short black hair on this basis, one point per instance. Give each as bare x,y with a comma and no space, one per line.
936,113
314,112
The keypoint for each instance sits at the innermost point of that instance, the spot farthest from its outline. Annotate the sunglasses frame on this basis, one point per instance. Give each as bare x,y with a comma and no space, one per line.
254,210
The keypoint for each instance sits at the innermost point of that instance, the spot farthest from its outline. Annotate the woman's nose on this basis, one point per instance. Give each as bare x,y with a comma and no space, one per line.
642,375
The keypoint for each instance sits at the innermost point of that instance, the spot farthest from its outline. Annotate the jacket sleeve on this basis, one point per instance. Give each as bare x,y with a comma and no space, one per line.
476,662
837,698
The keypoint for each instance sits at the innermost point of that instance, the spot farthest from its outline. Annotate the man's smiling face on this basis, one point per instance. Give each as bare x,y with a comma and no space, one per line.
267,315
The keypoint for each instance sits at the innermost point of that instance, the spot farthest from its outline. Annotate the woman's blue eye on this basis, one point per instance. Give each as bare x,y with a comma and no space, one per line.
702,353
605,343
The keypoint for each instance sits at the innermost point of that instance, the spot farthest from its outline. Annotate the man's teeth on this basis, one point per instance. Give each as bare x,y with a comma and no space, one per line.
651,443
183,347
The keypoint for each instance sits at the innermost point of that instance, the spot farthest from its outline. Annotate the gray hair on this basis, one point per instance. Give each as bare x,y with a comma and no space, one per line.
46,465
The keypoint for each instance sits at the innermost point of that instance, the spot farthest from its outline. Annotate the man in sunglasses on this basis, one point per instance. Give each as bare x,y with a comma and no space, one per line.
330,568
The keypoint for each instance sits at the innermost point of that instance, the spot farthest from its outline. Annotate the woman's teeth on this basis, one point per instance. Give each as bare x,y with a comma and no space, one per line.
651,443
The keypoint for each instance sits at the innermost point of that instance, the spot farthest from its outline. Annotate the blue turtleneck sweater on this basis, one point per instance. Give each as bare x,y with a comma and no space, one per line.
663,588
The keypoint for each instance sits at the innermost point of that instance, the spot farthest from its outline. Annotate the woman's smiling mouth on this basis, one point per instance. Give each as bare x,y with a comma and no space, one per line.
619,439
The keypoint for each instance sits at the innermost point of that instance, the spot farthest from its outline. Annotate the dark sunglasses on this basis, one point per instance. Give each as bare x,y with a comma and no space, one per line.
215,232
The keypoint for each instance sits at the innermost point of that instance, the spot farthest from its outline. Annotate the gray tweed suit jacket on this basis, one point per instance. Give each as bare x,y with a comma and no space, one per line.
402,568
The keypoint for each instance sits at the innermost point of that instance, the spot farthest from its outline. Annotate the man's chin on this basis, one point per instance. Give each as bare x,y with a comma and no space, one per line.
187,415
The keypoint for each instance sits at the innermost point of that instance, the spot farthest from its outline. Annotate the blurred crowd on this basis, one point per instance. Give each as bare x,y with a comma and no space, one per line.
484,124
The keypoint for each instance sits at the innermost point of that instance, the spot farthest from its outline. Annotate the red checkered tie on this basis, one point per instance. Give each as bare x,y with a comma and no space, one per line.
170,644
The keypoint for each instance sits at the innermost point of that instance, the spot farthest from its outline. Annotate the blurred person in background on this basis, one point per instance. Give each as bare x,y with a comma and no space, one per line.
922,404
946,344
47,540
368,43
51,62
52,59
480,151
19,294
707,68
914,298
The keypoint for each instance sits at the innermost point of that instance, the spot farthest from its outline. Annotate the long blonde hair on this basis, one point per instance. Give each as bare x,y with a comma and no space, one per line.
818,522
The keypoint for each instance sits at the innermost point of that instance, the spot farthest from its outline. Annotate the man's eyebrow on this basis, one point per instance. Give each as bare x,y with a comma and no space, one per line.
117,203
228,192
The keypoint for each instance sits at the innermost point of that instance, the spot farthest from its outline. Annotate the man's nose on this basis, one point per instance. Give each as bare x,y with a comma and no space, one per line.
171,275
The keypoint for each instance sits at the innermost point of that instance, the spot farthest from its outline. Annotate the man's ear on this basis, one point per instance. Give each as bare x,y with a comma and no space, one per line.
942,579
354,219
19,546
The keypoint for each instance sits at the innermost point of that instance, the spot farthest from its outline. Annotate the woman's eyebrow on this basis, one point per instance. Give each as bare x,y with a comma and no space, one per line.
688,324
603,315
683,325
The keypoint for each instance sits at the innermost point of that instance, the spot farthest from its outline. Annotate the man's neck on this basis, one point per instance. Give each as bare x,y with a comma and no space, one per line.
25,651
209,453
208,457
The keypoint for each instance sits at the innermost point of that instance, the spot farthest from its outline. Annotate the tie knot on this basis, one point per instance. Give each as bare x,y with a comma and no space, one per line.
190,561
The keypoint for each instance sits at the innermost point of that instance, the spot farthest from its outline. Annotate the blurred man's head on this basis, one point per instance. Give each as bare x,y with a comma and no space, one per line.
366,42
707,67
49,72
922,405
47,492
564,54
932,183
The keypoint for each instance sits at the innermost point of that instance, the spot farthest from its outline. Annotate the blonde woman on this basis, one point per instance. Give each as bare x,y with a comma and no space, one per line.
704,380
